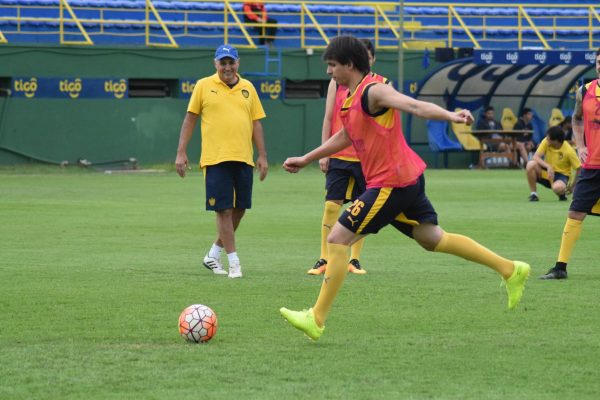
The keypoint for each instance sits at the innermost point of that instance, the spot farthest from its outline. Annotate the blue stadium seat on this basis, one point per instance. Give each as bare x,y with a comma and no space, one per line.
439,142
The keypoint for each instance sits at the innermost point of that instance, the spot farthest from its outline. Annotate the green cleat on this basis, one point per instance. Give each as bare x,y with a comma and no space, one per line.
516,283
303,320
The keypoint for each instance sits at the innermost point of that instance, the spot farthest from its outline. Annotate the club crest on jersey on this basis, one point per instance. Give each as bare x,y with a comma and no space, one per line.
245,93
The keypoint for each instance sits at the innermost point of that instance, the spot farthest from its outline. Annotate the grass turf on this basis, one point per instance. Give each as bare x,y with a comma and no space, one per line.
95,269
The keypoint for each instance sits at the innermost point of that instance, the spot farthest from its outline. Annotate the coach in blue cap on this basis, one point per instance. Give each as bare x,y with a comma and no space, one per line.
230,112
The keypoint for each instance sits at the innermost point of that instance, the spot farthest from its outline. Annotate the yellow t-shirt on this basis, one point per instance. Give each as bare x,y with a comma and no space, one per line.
226,119
562,160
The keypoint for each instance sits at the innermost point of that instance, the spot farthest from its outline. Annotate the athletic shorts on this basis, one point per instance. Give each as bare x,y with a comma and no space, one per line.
557,177
587,192
403,208
228,185
344,180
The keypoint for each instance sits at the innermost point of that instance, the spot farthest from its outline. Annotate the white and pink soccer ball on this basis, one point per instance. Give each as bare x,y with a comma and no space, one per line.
198,323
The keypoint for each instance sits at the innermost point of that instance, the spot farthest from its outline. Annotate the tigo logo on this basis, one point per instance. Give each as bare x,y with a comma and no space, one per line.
487,57
117,88
73,88
187,87
273,89
27,87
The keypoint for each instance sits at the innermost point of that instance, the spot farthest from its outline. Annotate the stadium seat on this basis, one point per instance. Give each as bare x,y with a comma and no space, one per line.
439,142
464,136
508,119
539,127
556,117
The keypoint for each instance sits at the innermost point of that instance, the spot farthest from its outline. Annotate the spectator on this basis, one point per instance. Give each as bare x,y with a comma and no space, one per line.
488,122
264,27
525,142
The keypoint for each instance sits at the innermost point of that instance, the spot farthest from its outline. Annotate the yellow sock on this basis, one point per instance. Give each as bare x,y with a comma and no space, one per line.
469,249
570,235
331,214
337,268
356,248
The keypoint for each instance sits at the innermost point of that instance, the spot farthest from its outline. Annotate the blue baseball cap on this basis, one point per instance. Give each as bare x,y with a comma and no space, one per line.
226,50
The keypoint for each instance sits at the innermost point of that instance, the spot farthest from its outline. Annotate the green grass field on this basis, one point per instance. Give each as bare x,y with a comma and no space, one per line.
95,269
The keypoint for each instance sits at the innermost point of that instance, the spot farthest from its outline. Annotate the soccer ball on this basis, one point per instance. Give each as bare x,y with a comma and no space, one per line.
198,323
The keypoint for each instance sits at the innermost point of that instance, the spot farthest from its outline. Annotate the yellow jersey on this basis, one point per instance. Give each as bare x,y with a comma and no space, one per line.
562,160
226,119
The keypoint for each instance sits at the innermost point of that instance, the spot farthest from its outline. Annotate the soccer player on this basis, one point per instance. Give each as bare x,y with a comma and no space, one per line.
344,180
230,113
395,183
586,129
552,164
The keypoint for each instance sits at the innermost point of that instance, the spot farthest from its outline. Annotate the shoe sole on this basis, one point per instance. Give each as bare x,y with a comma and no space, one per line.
282,312
358,271
553,278
213,271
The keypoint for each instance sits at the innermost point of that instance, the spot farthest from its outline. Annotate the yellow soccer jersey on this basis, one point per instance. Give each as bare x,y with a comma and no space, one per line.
562,160
226,119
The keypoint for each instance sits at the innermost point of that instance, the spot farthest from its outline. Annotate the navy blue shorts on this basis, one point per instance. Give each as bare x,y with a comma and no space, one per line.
403,208
228,185
557,177
344,180
587,192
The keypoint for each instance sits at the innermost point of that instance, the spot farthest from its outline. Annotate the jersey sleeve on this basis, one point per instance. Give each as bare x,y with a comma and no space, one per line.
195,104
257,109
541,150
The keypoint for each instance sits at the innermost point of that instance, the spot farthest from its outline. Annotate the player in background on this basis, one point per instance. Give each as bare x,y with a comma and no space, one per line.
344,180
552,165
395,183
586,129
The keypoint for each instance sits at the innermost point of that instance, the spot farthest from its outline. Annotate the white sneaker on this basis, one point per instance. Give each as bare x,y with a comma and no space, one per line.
214,265
235,271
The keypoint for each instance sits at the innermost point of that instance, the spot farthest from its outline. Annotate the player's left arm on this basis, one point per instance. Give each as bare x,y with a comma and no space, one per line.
334,144
578,131
258,138
383,96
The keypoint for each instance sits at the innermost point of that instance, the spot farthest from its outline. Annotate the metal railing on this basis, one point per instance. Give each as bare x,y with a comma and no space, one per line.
310,24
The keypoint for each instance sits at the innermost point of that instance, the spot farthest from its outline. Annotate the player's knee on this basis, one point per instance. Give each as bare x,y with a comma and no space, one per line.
530,165
427,236
427,244
225,213
559,188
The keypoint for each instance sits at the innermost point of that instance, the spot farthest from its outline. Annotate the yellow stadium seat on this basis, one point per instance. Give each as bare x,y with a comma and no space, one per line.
556,117
464,136
466,139
508,120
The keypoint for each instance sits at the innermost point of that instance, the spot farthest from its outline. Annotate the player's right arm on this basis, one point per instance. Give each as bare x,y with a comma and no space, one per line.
578,126
334,144
185,134
538,158
326,129
384,96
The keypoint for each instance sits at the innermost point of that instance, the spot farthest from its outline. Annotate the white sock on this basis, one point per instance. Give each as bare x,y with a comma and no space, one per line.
233,258
534,193
215,251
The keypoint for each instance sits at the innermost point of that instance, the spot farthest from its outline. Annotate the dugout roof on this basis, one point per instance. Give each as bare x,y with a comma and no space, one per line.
467,84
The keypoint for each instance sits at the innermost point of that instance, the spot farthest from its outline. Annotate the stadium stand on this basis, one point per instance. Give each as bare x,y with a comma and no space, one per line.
303,24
